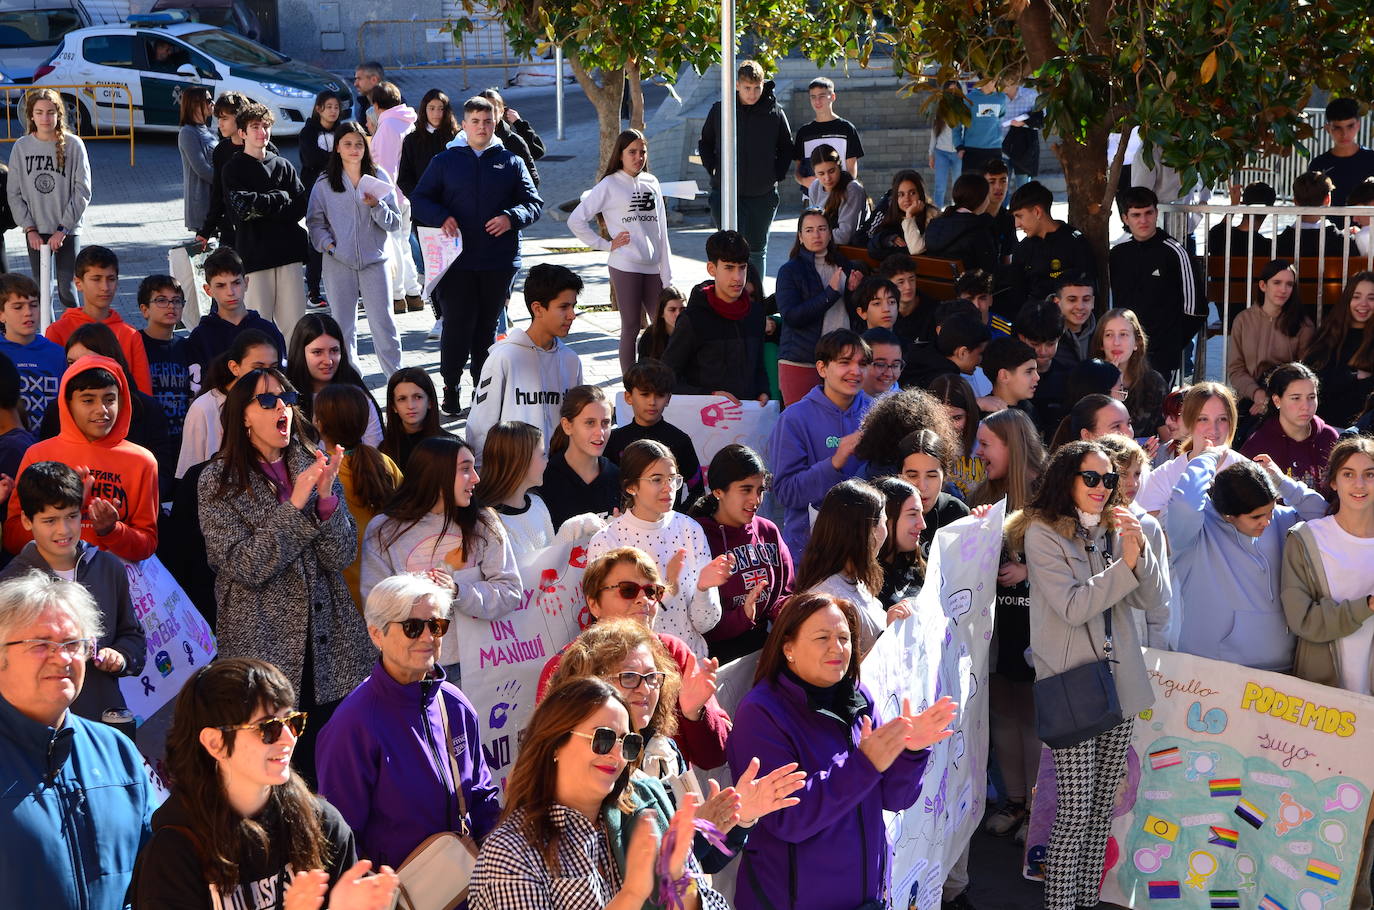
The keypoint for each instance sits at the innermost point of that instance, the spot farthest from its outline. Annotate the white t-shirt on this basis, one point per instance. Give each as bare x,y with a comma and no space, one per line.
1349,565
65,574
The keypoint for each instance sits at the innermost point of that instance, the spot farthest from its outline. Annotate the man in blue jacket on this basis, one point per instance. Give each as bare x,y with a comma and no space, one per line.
77,804
480,191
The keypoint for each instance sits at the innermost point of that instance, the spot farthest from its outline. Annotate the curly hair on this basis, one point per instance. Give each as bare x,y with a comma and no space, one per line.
601,650
897,416
1054,498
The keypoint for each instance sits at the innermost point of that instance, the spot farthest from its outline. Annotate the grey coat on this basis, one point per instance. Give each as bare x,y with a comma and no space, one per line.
197,145
343,226
1070,589
280,572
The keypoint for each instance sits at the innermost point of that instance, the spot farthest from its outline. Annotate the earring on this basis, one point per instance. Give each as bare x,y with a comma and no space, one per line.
790,659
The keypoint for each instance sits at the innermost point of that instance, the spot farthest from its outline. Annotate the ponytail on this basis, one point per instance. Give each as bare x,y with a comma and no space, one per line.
341,412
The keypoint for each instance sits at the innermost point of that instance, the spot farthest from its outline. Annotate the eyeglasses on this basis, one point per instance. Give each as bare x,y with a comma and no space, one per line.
1092,478
42,648
888,366
168,303
658,480
271,729
629,679
411,628
604,740
630,590
268,400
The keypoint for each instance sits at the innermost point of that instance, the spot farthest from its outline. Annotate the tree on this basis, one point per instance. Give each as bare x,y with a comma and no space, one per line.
1209,82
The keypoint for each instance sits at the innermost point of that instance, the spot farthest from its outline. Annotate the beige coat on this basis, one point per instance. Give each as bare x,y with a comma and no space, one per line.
1313,615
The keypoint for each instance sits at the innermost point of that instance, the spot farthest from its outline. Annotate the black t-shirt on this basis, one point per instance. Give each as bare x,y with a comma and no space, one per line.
567,494
838,132
169,363
678,442
1345,173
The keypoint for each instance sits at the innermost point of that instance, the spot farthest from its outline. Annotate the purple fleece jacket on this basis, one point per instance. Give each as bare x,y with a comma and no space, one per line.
803,442
381,760
791,853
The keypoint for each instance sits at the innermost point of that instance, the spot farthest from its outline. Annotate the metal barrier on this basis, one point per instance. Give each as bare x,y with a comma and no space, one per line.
85,103
1231,270
1279,171
406,44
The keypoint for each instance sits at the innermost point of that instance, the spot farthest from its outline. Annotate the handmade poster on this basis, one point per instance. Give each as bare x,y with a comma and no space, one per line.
942,650
733,682
179,639
713,422
438,252
1244,789
501,659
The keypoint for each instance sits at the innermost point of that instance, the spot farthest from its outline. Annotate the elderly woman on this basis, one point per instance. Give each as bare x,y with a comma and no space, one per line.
389,757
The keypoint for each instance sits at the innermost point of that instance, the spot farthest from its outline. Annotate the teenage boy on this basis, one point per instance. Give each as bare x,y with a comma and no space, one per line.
1306,237
648,390
1011,366
960,339
1075,293
1049,250
976,286
827,128
481,191
812,445
531,369
880,379
1362,195
1041,326
161,301
227,108
981,140
49,496
40,362
717,346
763,143
227,284
1154,275
97,280
264,196
1346,162
880,310
1245,233
998,176
121,508
915,311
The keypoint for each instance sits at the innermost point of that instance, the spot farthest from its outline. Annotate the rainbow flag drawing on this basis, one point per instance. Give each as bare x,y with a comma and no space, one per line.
1270,904
1224,786
1165,891
1251,814
1165,758
1223,837
1224,900
1323,872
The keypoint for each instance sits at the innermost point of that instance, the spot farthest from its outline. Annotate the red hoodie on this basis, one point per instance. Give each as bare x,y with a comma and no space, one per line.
127,336
123,472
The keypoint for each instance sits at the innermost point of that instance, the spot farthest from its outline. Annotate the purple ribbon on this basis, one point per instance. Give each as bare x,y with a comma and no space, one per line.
673,891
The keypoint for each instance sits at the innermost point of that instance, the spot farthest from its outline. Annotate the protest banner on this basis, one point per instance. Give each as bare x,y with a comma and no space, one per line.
501,659
437,252
713,422
942,650
1243,789
179,639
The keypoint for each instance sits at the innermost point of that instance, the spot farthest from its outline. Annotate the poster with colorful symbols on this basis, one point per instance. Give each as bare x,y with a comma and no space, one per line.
179,638
942,650
501,659
1244,789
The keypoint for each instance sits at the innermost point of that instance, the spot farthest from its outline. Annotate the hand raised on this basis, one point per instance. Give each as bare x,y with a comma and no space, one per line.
882,745
930,726
698,687
716,573
762,795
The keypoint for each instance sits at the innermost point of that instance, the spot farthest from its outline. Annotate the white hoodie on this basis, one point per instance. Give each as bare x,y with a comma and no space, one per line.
633,204
522,381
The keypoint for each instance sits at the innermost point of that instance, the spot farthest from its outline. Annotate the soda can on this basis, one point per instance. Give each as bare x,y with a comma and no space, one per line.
122,719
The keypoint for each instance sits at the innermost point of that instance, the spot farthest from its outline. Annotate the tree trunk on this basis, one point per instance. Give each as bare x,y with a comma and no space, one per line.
605,96
1085,174
636,94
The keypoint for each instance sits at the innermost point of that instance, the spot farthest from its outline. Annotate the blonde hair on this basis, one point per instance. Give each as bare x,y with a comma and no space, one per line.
1197,396
1025,461
31,98
1135,364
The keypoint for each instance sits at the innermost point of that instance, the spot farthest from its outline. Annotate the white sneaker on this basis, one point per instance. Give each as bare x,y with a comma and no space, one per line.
438,329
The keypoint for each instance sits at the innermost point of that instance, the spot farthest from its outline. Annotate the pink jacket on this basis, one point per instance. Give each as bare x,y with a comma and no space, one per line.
392,127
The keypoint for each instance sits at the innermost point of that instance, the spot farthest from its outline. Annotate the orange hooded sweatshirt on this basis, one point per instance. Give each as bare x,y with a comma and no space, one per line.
127,336
123,472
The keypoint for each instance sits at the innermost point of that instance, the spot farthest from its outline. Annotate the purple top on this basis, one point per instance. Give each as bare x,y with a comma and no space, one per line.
276,472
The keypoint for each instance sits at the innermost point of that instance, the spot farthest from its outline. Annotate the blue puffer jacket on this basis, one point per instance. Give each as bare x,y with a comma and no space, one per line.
474,188
75,809
802,300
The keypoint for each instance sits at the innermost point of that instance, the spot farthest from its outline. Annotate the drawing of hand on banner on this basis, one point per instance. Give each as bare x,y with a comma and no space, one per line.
713,421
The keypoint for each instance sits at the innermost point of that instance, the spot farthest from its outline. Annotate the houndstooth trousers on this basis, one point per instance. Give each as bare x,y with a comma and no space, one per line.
1086,778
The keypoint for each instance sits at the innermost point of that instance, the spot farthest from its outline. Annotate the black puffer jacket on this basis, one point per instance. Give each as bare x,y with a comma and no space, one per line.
763,140
417,149
710,353
964,236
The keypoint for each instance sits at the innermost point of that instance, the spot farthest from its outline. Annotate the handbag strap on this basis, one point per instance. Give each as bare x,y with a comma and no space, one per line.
1107,613
453,768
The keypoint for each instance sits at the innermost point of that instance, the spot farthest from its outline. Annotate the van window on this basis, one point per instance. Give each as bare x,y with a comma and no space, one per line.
35,27
109,50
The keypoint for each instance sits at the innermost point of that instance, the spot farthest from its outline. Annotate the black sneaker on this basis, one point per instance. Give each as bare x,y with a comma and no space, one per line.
960,902
451,405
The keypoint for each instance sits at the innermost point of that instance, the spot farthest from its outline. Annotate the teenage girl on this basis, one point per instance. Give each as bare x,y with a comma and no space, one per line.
966,472
903,226
1121,341
836,193
202,430
904,565
316,142
412,413
1262,337
1342,354
513,463
925,462
317,357
655,339
1209,419
579,478
1292,434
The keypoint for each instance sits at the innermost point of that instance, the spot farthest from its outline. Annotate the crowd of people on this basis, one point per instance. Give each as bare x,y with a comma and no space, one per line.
329,539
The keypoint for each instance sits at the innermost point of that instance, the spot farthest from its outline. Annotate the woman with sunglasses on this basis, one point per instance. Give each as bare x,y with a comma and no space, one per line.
625,584
808,706
649,481
402,757
572,836
278,536
240,825
1087,559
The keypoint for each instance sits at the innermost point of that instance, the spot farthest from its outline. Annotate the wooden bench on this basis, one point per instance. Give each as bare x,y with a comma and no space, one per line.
1232,276
934,276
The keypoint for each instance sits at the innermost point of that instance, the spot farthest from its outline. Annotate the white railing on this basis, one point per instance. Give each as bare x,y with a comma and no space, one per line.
1279,171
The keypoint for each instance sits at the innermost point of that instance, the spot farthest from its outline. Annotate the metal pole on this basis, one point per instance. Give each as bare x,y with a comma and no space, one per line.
558,88
729,208
44,287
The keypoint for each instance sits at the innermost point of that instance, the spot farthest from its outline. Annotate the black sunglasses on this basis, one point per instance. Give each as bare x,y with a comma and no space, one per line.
604,740
630,590
411,628
271,729
268,400
1093,478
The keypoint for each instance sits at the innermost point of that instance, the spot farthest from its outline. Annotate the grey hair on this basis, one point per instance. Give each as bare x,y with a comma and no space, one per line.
25,597
393,598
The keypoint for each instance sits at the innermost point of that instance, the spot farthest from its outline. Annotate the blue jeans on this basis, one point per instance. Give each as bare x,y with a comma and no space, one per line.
947,166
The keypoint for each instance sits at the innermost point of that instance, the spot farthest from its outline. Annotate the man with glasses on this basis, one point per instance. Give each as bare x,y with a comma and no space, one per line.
77,805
